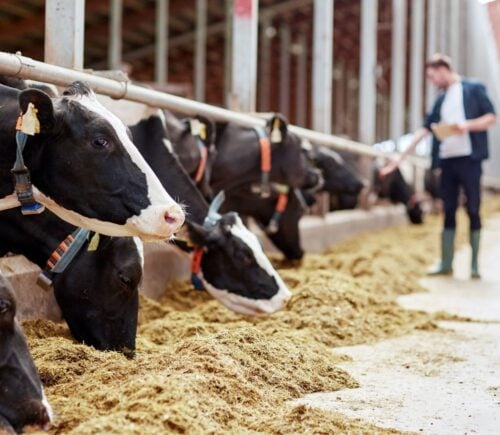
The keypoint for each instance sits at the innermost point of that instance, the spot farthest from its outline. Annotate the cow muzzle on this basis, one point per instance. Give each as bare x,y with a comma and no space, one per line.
157,223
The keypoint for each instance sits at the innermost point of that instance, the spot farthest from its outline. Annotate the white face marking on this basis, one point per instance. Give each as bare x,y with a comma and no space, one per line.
47,406
150,224
245,305
140,249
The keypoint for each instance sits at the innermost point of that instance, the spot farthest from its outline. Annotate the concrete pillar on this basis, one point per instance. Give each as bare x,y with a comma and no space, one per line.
322,66
443,26
161,43
398,66
285,69
244,66
64,32
432,44
200,51
115,35
417,64
367,76
301,81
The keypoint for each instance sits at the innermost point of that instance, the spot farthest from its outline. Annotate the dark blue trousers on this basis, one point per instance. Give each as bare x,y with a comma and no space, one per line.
465,173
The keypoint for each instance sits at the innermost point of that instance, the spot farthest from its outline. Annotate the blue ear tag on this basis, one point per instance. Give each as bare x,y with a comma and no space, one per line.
35,208
197,282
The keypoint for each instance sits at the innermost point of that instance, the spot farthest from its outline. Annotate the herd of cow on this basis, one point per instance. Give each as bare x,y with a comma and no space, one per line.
106,166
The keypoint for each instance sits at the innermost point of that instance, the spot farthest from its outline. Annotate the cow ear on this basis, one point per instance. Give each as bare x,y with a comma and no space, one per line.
277,127
42,103
209,129
197,233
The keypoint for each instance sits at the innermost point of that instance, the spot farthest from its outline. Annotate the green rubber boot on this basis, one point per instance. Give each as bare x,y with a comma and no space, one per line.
447,252
474,243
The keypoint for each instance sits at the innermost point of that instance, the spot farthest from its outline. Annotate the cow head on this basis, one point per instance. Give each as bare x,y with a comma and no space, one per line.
88,172
98,294
22,402
338,177
235,269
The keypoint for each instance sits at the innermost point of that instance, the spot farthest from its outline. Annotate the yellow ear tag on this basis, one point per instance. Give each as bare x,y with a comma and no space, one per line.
203,131
195,126
30,123
276,132
94,243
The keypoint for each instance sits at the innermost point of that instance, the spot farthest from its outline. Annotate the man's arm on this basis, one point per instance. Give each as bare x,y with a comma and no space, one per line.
393,165
482,123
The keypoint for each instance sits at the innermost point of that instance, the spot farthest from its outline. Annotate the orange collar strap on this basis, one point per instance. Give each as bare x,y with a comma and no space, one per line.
196,259
202,165
265,162
279,209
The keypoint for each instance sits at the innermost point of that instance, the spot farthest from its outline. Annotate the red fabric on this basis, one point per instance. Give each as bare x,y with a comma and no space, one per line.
196,260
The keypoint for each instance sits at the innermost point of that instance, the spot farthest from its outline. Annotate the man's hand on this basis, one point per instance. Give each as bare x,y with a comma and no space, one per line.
462,127
388,169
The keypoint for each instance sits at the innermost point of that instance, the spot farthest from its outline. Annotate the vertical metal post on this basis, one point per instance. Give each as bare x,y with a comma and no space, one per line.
367,113
417,63
161,47
432,34
228,46
398,61
368,65
322,66
443,26
266,34
454,34
244,69
285,69
64,32
200,52
301,81
115,34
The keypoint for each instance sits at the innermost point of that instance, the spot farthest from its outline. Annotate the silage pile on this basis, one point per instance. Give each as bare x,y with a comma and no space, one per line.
202,369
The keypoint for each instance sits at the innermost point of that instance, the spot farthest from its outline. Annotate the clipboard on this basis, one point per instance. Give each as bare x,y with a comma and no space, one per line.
443,131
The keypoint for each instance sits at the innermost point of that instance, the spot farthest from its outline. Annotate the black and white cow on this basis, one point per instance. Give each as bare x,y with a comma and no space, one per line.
84,166
234,268
98,291
23,405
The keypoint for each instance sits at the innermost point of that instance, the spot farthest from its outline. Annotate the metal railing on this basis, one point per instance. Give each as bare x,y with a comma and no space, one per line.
27,68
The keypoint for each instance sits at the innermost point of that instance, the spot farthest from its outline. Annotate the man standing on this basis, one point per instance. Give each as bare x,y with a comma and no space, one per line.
461,116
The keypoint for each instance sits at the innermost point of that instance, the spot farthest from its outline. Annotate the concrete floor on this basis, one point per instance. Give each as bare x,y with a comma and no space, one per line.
437,382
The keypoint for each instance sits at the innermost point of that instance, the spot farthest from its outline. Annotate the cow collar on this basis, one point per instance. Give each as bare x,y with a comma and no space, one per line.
280,207
213,216
264,189
62,257
27,124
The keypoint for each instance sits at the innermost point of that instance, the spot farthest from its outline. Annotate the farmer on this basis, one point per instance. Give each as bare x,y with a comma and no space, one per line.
459,119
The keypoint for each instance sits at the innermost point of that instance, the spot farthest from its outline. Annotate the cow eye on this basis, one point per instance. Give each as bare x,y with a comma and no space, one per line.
125,279
4,306
100,142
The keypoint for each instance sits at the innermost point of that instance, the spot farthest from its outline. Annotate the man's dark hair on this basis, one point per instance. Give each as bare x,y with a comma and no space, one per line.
439,60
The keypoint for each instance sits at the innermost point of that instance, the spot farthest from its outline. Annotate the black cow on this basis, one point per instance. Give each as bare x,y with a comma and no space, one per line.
233,268
398,191
98,291
23,404
239,156
190,138
83,166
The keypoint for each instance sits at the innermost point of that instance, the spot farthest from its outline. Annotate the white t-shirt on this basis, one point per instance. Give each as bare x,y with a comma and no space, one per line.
452,112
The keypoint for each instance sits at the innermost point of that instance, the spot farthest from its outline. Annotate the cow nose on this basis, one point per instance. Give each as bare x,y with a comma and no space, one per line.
174,216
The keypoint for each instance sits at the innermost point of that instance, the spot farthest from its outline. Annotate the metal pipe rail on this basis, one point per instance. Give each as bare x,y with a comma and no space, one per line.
27,68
